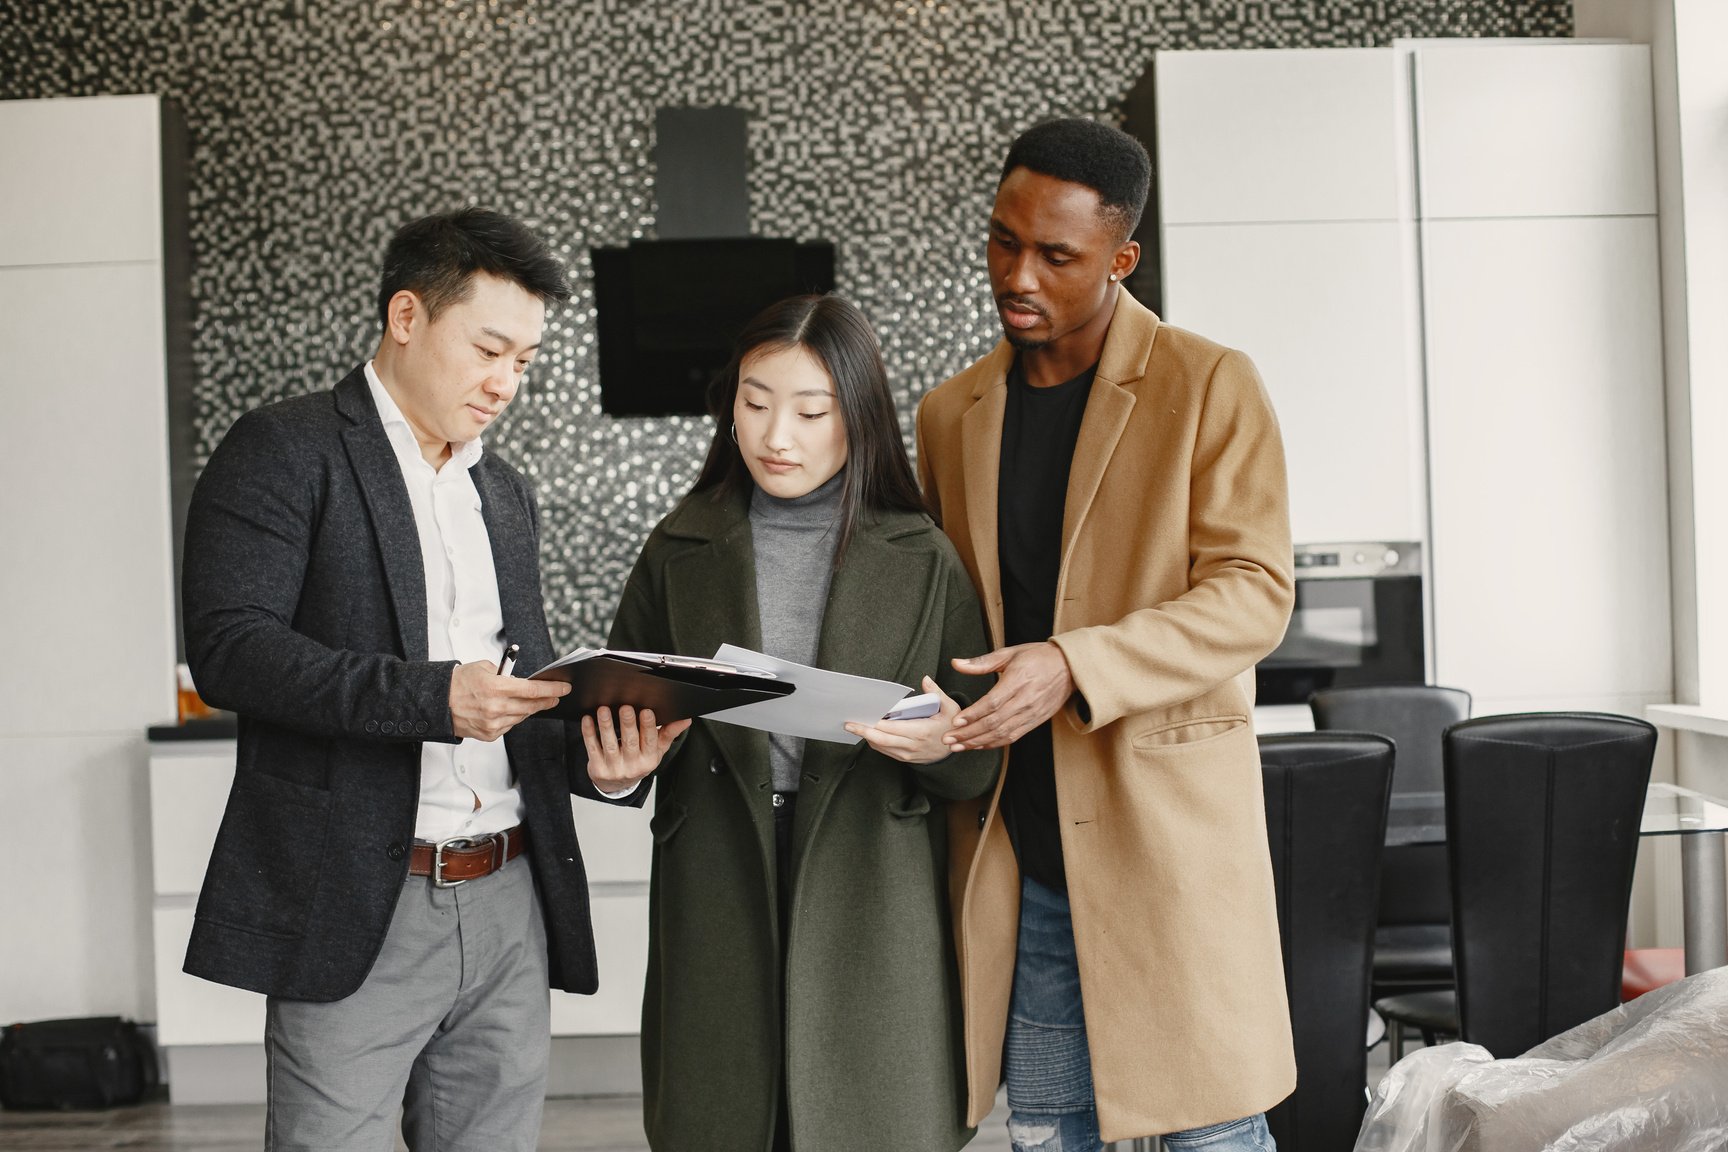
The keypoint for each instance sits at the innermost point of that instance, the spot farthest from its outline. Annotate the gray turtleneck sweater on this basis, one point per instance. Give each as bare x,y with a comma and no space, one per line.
794,545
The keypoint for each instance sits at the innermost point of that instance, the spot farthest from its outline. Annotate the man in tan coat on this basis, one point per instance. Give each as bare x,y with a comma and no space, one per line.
1116,489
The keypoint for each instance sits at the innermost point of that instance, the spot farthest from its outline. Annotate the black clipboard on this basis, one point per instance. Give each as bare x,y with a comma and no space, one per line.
675,687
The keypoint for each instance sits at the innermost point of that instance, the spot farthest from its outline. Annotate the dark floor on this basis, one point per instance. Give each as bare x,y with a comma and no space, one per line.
605,1124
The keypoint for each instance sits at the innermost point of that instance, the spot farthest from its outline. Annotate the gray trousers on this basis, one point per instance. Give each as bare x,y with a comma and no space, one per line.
450,1030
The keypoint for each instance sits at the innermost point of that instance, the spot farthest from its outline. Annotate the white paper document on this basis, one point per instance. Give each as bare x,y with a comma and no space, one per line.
822,705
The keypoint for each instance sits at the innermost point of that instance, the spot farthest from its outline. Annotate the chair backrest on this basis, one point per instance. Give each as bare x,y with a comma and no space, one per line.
1326,796
1412,715
1542,815
1413,888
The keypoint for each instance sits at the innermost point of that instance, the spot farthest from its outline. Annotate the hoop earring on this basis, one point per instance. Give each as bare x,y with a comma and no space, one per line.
734,432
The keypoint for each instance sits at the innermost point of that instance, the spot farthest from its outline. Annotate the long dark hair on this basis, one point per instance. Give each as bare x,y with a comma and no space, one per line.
878,475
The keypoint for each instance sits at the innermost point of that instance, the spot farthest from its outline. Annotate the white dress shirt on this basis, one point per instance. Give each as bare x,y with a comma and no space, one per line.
466,789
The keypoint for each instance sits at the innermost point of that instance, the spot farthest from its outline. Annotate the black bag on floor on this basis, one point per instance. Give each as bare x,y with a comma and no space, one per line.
93,1062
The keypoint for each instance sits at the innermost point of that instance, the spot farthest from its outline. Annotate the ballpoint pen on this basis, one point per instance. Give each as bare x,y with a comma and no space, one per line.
510,651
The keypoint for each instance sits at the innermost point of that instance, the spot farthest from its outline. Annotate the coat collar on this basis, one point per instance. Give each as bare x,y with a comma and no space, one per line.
1122,366
711,600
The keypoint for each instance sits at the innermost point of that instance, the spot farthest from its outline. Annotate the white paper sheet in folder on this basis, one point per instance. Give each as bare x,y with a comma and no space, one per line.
821,707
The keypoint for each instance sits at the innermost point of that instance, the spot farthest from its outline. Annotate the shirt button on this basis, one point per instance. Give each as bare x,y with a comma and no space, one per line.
455,621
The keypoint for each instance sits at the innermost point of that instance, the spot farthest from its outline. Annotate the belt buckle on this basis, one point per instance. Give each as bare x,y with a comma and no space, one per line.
500,842
438,880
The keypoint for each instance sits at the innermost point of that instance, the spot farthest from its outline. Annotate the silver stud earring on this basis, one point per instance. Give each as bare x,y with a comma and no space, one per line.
1112,277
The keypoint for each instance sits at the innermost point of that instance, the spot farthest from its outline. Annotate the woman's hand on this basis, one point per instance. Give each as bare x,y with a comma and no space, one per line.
913,741
617,760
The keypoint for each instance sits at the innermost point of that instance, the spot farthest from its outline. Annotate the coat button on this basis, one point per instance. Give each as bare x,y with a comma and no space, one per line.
371,726
395,851
388,727
420,728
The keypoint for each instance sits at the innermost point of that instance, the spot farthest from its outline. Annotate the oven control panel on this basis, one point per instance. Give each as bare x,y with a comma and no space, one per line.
1358,560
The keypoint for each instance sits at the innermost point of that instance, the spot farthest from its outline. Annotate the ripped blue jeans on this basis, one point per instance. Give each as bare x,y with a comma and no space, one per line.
1048,1063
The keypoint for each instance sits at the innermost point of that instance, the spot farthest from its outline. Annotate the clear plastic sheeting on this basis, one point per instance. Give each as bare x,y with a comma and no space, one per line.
1650,1076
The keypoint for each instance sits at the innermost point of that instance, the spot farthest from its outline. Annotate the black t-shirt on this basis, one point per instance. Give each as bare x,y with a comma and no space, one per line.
1039,431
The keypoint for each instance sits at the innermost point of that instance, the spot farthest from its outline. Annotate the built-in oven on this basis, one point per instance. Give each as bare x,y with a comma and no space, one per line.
1358,620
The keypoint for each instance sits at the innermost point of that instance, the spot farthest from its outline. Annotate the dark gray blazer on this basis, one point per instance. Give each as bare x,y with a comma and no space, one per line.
304,601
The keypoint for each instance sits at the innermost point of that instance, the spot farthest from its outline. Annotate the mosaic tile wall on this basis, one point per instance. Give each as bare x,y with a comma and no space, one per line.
318,126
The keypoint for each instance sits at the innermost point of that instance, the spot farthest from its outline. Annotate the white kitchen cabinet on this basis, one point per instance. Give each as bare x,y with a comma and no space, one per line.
1492,311
189,782
1550,129
1321,309
88,508
82,182
1550,541
86,592
621,948
192,1012
1269,136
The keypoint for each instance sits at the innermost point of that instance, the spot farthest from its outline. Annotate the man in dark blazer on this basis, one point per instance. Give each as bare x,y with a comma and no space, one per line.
397,868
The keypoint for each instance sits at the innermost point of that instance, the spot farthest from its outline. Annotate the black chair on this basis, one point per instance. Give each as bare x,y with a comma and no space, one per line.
1326,796
1542,815
1413,937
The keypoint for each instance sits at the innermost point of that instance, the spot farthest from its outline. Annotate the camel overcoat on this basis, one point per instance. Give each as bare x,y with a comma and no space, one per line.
861,1026
1175,579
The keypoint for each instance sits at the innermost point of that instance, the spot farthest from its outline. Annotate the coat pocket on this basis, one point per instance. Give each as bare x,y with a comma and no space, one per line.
909,807
668,818
268,857
1188,733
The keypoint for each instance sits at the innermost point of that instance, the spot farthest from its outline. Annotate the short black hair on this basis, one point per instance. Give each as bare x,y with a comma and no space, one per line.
436,257
1103,158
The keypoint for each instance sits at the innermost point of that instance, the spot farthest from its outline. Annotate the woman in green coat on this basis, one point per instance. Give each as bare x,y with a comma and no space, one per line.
801,988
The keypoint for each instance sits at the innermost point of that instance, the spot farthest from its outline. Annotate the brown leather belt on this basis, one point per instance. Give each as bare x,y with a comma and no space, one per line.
464,858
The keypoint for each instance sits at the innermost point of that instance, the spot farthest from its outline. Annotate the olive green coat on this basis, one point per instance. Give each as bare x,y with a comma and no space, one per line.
869,1051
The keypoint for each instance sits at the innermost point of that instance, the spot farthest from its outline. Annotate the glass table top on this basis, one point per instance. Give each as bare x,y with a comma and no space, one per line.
1669,810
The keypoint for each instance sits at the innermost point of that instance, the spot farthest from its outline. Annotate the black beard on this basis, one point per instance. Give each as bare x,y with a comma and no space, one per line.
1023,343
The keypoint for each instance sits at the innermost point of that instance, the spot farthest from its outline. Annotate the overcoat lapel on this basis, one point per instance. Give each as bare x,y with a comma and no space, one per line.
1127,349
710,601
386,496
981,457
1107,409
